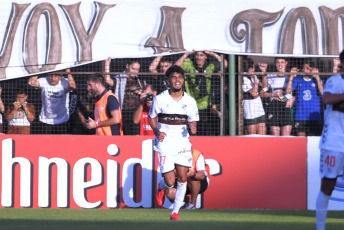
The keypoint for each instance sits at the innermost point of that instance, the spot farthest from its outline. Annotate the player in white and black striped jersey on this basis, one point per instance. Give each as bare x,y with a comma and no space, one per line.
174,110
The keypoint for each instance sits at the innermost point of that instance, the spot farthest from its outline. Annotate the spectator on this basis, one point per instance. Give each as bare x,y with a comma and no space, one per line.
254,114
279,109
55,89
307,90
107,112
2,110
141,114
159,81
336,65
85,109
200,86
127,87
20,114
197,183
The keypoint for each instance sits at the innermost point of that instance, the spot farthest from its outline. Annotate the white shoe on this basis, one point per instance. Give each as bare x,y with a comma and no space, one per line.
190,206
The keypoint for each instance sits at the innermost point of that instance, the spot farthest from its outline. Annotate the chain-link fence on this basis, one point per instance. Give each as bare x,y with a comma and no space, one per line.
202,81
282,96
273,96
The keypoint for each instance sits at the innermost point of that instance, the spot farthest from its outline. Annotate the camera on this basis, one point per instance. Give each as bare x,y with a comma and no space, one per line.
149,97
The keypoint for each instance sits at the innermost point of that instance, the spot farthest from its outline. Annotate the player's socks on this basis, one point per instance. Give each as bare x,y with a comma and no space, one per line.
321,210
179,197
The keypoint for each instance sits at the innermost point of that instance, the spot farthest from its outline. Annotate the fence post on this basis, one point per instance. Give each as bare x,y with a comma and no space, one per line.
231,85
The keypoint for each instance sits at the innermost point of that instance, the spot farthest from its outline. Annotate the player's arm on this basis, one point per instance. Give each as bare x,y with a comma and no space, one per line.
193,127
329,98
160,135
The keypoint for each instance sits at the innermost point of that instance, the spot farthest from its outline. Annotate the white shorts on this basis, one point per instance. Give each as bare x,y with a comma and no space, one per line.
174,151
331,164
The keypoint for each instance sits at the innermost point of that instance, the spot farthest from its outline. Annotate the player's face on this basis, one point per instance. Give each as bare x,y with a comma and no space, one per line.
92,88
54,79
133,68
176,81
164,66
281,64
200,58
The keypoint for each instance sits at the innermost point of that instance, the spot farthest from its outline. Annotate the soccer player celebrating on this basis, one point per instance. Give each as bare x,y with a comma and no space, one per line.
174,109
331,143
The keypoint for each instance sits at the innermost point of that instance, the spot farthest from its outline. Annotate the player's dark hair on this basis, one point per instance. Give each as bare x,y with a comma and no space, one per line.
97,78
174,69
341,56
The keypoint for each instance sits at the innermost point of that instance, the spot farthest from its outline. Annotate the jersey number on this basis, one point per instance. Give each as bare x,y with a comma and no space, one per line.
162,159
330,161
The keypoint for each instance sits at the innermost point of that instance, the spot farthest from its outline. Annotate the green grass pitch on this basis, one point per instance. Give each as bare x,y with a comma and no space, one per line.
103,219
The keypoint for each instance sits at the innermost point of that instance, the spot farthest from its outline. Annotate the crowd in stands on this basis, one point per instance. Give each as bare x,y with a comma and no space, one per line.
286,102
278,98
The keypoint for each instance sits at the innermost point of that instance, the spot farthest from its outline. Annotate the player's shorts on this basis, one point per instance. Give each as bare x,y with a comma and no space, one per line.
278,114
331,164
174,151
314,127
255,121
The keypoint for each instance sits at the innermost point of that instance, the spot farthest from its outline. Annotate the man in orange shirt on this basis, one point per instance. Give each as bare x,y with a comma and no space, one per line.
107,112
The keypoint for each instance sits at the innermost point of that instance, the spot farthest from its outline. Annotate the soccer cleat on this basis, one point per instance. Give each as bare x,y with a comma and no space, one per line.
175,216
160,196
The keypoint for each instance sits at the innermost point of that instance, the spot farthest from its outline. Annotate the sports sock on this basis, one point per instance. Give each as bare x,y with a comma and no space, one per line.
162,185
179,197
321,210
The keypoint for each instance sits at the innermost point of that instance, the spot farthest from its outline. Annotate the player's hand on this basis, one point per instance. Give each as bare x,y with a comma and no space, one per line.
161,136
193,127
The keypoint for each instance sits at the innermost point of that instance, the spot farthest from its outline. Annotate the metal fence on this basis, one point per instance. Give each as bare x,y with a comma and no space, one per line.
282,96
202,85
256,98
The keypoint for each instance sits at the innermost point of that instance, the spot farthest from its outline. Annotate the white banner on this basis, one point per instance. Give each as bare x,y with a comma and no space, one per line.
42,36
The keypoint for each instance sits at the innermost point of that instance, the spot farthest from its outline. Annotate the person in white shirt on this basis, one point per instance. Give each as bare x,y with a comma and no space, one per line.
331,143
174,110
54,115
